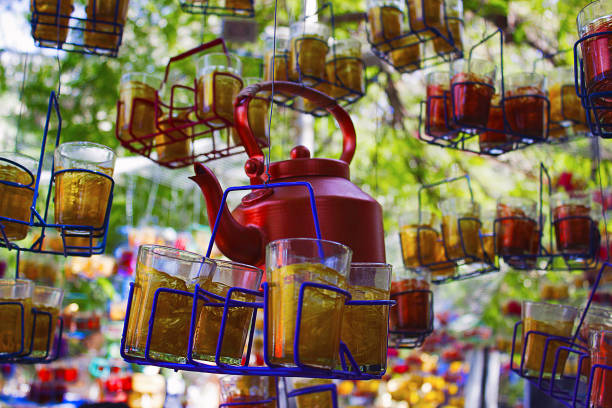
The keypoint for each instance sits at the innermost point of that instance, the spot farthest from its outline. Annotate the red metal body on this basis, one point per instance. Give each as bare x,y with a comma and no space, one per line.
346,213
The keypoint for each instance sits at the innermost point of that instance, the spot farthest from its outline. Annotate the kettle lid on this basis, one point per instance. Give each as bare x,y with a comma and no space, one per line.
301,164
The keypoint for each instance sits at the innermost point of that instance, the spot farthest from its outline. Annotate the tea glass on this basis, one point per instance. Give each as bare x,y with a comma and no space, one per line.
460,227
15,201
412,311
247,389
218,85
600,342
45,299
385,19
16,333
137,108
526,107
308,51
417,238
472,91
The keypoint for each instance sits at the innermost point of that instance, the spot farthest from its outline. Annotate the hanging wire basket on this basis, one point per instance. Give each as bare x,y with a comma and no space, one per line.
434,36
98,30
76,240
221,8
176,134
348,368
444,117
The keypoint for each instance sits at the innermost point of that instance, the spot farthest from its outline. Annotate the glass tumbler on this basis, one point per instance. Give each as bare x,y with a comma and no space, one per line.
18,291
45,299
385,22
495,140
516,226
574,226
526,109
276,59
406,53
460,227
486,247
426,15
258,113
104,18
418,238
438,115
600,342
163,267
52,24
344,69
247,389
15,202
472,91
565,106
289,264
320,399
82,197
597,318
553,320
227,275
364,328
412,311
174,141
453,30
218,85
308,51
137,104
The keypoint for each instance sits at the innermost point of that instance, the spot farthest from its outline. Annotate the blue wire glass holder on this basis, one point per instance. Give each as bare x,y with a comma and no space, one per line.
409,339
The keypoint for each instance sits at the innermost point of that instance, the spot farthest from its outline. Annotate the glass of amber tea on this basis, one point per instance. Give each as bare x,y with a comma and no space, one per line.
82,197
600,347
104,22
163,267
240,7
52,24
247,389
289,264
471,91
308,51
412,311
552,320
218,85
439,117
426,16
137,108
574,224
227,275
258,113
364,328
45,299
318,399
385,19
13,295
417,238
406,53
495,140
276,58
460,227
174,141
516,227
344,68
16,200
565,106
453,29
525,106
486,247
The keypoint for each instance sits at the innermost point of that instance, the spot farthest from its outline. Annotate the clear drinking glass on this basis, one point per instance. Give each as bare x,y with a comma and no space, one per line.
227,274
218,85
290,263
597,318
49,28
245,389
364,328
164,267
406,53
45,299
454,29
517,227
552,319
137,104
174,143
20,291
344,68
460,227
308,51
564,103
412,311
425,15
417,238
104,16
15,202
385,22
276,59
472,91
439,115
495,140
81,198
526,110
321,399
600,342
486,248
259,113
574,236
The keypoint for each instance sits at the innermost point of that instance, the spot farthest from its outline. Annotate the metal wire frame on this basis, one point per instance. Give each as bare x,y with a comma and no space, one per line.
409,339
108,27
258,402
96,237
577,396
593,102
24,357
185,124
317,389
349,95
428,33
204,7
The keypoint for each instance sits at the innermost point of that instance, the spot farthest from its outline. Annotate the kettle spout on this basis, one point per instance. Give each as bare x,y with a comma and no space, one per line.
240,243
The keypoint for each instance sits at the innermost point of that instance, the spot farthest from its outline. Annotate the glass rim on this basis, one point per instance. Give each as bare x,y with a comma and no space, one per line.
371,265
125,77
61,150
48,288
581,18
158,249
549,305
303,239
9,281
230,263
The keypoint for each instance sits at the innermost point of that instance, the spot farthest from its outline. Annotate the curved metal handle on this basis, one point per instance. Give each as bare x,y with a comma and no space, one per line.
196,50
255,166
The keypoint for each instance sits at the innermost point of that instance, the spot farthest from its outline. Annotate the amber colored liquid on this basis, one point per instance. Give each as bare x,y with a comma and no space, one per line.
314,400
406,58
573,235
461,236
598,69
15,202
216,92
10,326
412,310
536,342
236,327
136,111
177,144
259,111
81,198
49,27
443,266
439,115
308,55
565,104
239,6
364,329
385,25
488,244
495,138
172,317
526,115
346,73
471,100
454,32
322,313
280,71
106,22
418,245
41,331
432,15
515,236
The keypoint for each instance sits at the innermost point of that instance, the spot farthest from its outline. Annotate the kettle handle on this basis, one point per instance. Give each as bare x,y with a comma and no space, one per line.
255,166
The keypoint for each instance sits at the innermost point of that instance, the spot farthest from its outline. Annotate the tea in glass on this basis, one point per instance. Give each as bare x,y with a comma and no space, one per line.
494,140
453,29
247,389
344,68
137,108
460,227
486,248
417,238
218,85
105,19
308,51
565,106
385,22
174,143
82,197
597,318
320,399
442,266
516,227
406,55
240,7
276,57
11,318
471,91
227,274
438,114
426,15
45,299
574,224
364,328
15,202
258,113
289,264
163,267
52,24
526,109
412,311
600,342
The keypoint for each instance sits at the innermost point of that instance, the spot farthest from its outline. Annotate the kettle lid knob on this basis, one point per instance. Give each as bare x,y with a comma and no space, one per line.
300,152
